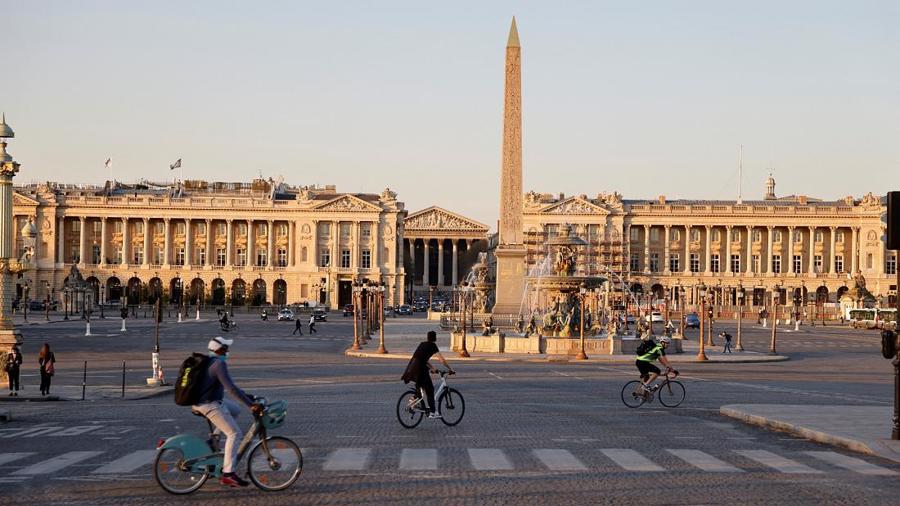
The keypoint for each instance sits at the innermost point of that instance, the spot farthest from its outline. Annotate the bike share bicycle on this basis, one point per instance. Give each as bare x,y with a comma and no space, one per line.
450,405
670,392
184,462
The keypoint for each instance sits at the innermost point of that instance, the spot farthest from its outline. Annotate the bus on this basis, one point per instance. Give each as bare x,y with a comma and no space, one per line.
872,318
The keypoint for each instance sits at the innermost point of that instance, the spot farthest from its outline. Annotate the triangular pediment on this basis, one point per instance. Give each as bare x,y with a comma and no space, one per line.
22,200
437,218
574,206
348,204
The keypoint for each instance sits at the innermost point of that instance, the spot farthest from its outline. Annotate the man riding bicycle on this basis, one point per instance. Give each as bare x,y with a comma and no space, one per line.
419,366
644,363
221,412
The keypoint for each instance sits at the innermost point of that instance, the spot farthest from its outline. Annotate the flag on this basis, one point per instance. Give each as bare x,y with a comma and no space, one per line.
175,165
108,163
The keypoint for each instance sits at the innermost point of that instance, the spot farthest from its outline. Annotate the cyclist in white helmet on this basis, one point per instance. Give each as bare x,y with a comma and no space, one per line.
644,363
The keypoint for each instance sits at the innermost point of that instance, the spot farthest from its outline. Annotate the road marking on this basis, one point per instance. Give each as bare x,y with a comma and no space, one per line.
74,431
26,432
494,375
559,460
489,459
128,463
56,463
630,460
703,461
10,457
419,459
777,462
348,459
852,463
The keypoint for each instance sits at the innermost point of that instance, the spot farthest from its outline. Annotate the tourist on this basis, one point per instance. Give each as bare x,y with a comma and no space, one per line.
13,366
47,362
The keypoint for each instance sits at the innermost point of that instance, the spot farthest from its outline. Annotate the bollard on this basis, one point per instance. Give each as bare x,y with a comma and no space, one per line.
87,328
123,325
198,313
123,377
84,381
179,317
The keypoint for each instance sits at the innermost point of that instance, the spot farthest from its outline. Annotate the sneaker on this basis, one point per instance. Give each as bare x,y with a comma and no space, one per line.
434,415
233,480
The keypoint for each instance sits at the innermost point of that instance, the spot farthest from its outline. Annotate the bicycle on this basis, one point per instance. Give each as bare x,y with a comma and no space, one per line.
228,326
671,392
450,405
184,462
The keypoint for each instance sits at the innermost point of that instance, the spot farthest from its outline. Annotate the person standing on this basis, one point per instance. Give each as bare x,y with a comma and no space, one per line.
298,326
727,337
13,366
47,362
312,324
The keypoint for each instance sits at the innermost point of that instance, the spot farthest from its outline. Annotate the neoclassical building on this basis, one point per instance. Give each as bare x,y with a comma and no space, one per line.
255,242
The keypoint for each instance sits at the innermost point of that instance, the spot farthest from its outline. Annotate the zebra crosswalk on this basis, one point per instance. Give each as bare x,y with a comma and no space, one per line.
18,467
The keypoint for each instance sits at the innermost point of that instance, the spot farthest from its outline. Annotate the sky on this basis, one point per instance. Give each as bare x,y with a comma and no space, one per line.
644,98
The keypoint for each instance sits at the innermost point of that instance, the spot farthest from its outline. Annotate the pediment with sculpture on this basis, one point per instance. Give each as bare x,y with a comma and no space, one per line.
22,200
575,206
437,219
348,203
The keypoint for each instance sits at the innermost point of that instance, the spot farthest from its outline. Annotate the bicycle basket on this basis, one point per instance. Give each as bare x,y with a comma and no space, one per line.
274,415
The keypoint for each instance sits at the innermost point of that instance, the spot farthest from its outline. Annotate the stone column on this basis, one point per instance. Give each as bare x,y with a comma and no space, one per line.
188,244
229,243
375,245
251,244
728,230
707,262
425,281
167,248
335,241
667,252
61,240
209,243
854,257
833,261
440,272
148,235
103,241
455,269
687,248
812,250
790,250
82,241
355,250
749,266
646,249
412,258
292,227
126,242
271,245
768,269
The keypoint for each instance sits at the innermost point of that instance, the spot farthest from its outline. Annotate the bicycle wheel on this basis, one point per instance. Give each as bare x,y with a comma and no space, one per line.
671,393
451,406
633,395
407,413
170,473
274,463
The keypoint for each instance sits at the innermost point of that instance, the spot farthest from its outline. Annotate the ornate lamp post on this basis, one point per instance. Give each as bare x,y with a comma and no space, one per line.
701,290
66,303
381,348
464,292
740,299
49,299
356,289
25,288
582,293
776,297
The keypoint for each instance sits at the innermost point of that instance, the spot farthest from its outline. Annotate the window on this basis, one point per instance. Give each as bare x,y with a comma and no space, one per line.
160,227
776,235
282,229
76,226
673,262
201,256
776,264
798,236
180,257
221,229
695,235
262,229
262,257
819,236
735,263
75,254
179,228
715,235
139,227
735,236
241,256
119,256
366,259
695,262
95,254
303,254
635,234
675,235
839,236
870,261
634,265
757,236
839,263
654,262
345,259
714,263
593,232
797,263
158,255
551,232
345,230
117,227
890,266
220,257
137,256
817,263
282,257
365,230
201,228
654,234
96,225
324,230
756,265
242,229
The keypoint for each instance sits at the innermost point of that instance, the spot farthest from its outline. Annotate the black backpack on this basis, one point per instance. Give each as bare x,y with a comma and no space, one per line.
645,347
190,378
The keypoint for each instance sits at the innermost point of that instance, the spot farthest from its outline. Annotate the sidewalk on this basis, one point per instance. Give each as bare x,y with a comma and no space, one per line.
864,429
93,393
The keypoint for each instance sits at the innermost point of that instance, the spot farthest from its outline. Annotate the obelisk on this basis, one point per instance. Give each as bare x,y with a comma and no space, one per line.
510,251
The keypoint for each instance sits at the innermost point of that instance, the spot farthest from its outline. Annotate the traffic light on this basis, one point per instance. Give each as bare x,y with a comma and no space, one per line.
893,220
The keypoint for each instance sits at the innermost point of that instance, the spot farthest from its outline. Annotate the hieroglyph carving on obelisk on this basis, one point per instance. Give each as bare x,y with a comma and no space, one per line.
511,173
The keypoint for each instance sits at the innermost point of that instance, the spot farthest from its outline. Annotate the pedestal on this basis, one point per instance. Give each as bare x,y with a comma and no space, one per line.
510,279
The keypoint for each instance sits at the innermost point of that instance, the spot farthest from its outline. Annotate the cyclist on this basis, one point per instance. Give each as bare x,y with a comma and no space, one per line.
419,366
644,363
220,411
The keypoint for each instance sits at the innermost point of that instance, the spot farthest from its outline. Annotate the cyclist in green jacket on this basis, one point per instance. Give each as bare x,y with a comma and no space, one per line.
644,363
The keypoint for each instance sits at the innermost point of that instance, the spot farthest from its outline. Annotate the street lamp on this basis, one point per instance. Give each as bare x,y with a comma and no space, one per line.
582,292
356,287
102,300
381,348
66,303
25,287
775,293
701,290
49,300
740,298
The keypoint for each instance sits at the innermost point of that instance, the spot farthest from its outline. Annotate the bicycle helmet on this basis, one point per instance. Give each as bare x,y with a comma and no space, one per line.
665,339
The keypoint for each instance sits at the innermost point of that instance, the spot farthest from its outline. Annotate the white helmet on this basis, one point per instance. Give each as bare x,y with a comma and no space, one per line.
217,342
665,339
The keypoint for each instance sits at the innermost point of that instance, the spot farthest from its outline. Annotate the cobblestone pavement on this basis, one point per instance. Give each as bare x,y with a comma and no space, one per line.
557,433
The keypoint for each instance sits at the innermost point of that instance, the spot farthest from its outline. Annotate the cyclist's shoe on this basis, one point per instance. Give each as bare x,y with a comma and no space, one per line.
434,415
233,480
654,387
645,388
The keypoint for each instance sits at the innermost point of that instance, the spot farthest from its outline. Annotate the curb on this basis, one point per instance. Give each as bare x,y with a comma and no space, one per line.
47,398
167,390
620,359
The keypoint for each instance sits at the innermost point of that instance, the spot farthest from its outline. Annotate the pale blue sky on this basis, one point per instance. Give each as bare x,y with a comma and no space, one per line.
645,98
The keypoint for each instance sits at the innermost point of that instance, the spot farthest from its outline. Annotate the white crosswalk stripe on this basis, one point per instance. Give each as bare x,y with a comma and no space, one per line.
489,459
630,460
419,459
56,463
559,460
777,462
348,459
703,461
12,457
128,463
852,463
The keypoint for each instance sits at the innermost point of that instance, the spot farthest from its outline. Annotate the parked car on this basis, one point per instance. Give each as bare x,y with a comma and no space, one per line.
348,309
404,310
691,321
320,315
655,317
389,311
36,305
285,315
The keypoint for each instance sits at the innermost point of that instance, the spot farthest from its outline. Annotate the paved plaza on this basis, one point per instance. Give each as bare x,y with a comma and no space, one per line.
550,431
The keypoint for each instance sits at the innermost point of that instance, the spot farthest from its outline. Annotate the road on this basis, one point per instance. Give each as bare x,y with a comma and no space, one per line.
550,432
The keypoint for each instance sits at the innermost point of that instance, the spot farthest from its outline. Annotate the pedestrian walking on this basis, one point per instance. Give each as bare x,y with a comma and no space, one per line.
47,362
727,337
13,366
298,327
312,324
